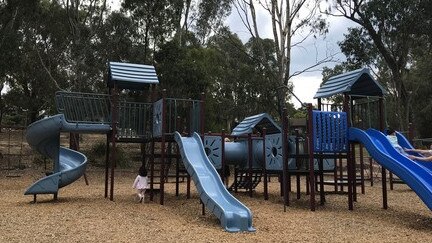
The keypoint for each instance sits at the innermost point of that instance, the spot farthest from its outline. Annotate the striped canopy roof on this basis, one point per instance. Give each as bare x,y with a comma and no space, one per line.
258,122
357,83
131,76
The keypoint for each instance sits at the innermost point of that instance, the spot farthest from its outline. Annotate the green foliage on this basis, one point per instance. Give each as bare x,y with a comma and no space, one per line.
96,156
421,77
185,40
391,37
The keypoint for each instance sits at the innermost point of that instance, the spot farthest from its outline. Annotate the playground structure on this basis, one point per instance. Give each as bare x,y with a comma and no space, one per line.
12,147
260,147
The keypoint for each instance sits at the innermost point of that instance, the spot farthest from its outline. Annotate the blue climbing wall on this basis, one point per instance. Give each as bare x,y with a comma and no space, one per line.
330,131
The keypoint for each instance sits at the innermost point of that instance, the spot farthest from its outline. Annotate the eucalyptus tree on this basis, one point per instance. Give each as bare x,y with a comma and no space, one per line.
386,35
33,55
240,86
84,19
289,19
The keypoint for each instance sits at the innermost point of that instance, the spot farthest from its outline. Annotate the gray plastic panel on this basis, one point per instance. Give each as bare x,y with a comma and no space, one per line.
157,118
213,150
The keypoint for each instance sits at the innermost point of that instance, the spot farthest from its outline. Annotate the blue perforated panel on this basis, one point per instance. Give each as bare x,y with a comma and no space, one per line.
330,132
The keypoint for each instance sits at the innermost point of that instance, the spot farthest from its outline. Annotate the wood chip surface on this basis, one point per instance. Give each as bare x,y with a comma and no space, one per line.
82,214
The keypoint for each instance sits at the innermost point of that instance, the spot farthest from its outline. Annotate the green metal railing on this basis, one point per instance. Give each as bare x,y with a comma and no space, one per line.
134,117
84,107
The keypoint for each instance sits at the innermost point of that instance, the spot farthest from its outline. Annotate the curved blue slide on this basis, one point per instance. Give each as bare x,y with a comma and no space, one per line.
415,175
233,215
69,165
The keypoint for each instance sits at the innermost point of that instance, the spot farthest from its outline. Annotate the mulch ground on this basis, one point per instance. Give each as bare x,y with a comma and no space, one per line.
82,214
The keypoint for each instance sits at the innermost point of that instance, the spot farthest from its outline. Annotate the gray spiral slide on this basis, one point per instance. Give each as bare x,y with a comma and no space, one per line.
233,215
69,165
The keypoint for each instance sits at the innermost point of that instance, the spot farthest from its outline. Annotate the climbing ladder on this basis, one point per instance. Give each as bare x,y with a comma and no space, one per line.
241,180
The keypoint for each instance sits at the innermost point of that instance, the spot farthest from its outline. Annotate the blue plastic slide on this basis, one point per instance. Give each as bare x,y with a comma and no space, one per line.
69,165
233,215
416,176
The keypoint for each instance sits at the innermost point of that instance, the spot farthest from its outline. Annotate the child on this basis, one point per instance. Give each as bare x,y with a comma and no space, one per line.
141,183
426,154
391,136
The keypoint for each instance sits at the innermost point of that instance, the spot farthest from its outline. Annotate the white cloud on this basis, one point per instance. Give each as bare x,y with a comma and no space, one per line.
305,88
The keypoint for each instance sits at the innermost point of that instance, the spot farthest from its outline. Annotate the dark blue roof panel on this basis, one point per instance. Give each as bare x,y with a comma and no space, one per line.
358,82
131,76
258,122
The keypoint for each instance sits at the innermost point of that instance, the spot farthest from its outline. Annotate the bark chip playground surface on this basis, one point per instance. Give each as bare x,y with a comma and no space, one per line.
82,214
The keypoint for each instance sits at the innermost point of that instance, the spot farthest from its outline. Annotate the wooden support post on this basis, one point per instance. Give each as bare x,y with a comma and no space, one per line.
152,174
188,186
384,187
362,170
162,169
235,180
285,175
371,171
114,123
250,158
223,162
266,197
202,114
107,163
354,172
177,189
341,174
350,158
177,170
321,182
383,170
311,158
297,159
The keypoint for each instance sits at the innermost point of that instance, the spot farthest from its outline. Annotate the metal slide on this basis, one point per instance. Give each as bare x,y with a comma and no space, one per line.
233,215
69,165
414,174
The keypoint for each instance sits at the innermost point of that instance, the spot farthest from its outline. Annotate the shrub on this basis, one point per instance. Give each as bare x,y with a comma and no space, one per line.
96,156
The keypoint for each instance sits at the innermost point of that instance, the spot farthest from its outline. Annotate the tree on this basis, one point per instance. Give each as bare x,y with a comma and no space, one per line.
240,86
33,56
288,19
387,26
84,19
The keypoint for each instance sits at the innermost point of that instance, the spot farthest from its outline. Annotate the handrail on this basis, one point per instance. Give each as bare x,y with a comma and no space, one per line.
134,117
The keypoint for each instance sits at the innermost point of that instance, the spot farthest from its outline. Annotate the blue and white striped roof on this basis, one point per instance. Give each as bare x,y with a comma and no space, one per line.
258,122
131,76
358,82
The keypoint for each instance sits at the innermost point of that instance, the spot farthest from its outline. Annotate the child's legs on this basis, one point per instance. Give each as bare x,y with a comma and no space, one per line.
142,192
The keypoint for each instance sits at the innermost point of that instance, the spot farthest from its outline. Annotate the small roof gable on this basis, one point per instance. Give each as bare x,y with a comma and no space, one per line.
258,122
358,82
131,76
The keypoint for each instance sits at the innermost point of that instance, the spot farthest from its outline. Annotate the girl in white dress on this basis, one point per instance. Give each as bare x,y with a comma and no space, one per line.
141,183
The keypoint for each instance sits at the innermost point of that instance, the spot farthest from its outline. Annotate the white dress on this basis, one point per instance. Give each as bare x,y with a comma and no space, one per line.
141,182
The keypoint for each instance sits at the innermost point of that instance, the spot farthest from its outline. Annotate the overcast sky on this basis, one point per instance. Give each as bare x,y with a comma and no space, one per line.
306,84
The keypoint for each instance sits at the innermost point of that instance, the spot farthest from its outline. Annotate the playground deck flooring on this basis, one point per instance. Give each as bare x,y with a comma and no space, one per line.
82,214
